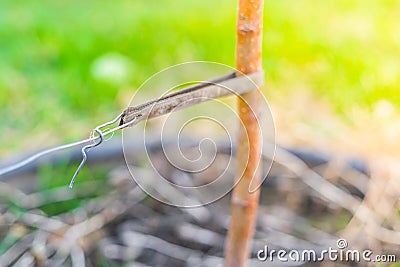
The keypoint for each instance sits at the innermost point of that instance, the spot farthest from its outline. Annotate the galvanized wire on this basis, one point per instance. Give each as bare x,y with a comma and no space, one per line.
101,135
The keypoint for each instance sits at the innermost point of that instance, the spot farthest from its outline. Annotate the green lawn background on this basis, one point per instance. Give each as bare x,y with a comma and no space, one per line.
55,85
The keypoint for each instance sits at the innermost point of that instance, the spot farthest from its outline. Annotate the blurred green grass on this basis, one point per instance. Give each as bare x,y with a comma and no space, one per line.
55,84
92,186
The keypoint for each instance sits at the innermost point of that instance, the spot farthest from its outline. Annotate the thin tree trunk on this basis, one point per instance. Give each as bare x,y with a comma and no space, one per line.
244,202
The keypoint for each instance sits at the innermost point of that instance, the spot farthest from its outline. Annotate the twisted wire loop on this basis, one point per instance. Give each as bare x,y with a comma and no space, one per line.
86,148
84,151
100,135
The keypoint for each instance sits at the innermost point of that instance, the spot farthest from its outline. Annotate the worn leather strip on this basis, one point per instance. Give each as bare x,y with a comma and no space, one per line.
204,91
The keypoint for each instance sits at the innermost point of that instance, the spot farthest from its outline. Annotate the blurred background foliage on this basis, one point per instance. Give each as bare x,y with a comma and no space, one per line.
66,66
332,70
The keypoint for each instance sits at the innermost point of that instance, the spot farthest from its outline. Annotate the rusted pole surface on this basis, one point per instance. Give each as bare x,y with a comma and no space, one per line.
245,202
